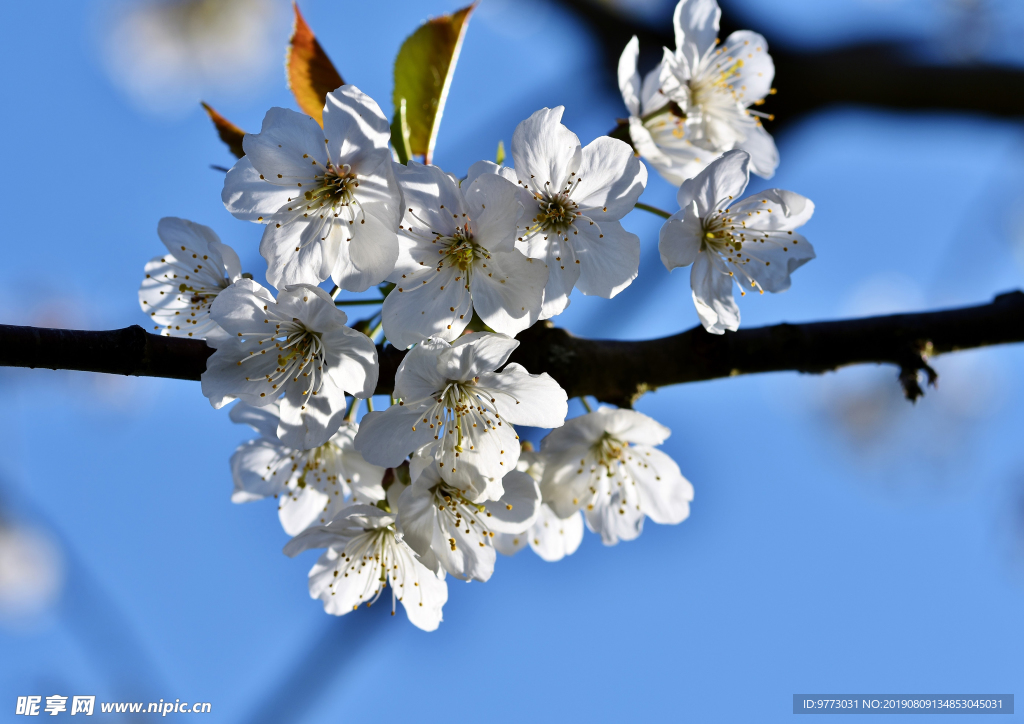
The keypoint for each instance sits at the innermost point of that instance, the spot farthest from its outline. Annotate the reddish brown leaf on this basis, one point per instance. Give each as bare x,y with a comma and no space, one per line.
228,131
311,74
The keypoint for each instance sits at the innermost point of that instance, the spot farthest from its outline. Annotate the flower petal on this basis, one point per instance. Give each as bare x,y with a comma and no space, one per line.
755,70
518,507
609,258
764,156
696,27
386,437
665,494
288,144
553,538
440,308
248,196
717,185
508,291
474,354
353,124
680,238
525,399
629,77
494,209
712,296
611,179
545,151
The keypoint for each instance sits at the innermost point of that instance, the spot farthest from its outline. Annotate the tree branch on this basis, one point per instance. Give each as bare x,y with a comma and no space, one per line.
878,74
616,372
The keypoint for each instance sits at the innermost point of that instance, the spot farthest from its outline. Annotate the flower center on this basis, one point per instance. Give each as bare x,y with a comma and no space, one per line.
459,250
557,213
300,356
609,451
203,296
336,187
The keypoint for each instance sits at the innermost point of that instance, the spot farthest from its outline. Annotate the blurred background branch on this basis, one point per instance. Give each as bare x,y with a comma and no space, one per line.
876,73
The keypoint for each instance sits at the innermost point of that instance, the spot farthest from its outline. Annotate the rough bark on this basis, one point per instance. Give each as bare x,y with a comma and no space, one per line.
613,371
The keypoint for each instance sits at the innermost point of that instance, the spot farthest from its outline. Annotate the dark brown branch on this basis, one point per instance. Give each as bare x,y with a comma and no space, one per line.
877,74
616,372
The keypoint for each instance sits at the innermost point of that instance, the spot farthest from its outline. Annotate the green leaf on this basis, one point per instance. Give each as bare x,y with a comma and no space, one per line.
423,73
228,131
311,74
400,134
499,157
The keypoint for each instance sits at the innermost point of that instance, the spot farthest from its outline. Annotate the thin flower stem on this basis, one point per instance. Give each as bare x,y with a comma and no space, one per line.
369,404
357,302
353,407
654,210
334,292
586,405
376,330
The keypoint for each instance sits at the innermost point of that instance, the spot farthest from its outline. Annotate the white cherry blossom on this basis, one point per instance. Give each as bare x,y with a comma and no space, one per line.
364,555
327,195
605,464
450,532
751,241
297,346
454,404
552,538
181,285
573,197
458,254
697,102
310,486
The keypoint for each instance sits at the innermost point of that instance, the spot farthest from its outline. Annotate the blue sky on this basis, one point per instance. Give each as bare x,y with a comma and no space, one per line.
840,540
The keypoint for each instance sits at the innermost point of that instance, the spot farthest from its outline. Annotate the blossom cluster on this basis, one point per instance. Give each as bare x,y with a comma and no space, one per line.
438,482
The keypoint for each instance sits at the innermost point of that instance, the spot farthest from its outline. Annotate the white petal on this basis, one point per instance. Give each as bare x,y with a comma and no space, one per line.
421,592
352,361
474,354
518,507
609,258
755,72
553,538
631,426
253,466
545,151
779,210
611,179
508,291
386,437
261,419
712,296
494,209
764,156
418,522
353,124
563,273
525,399
615,522
715,187
418,376
440,308
287,144
680,238
665,494
247,195
370,255
296,253
696,26
308,421
434,198
629,78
